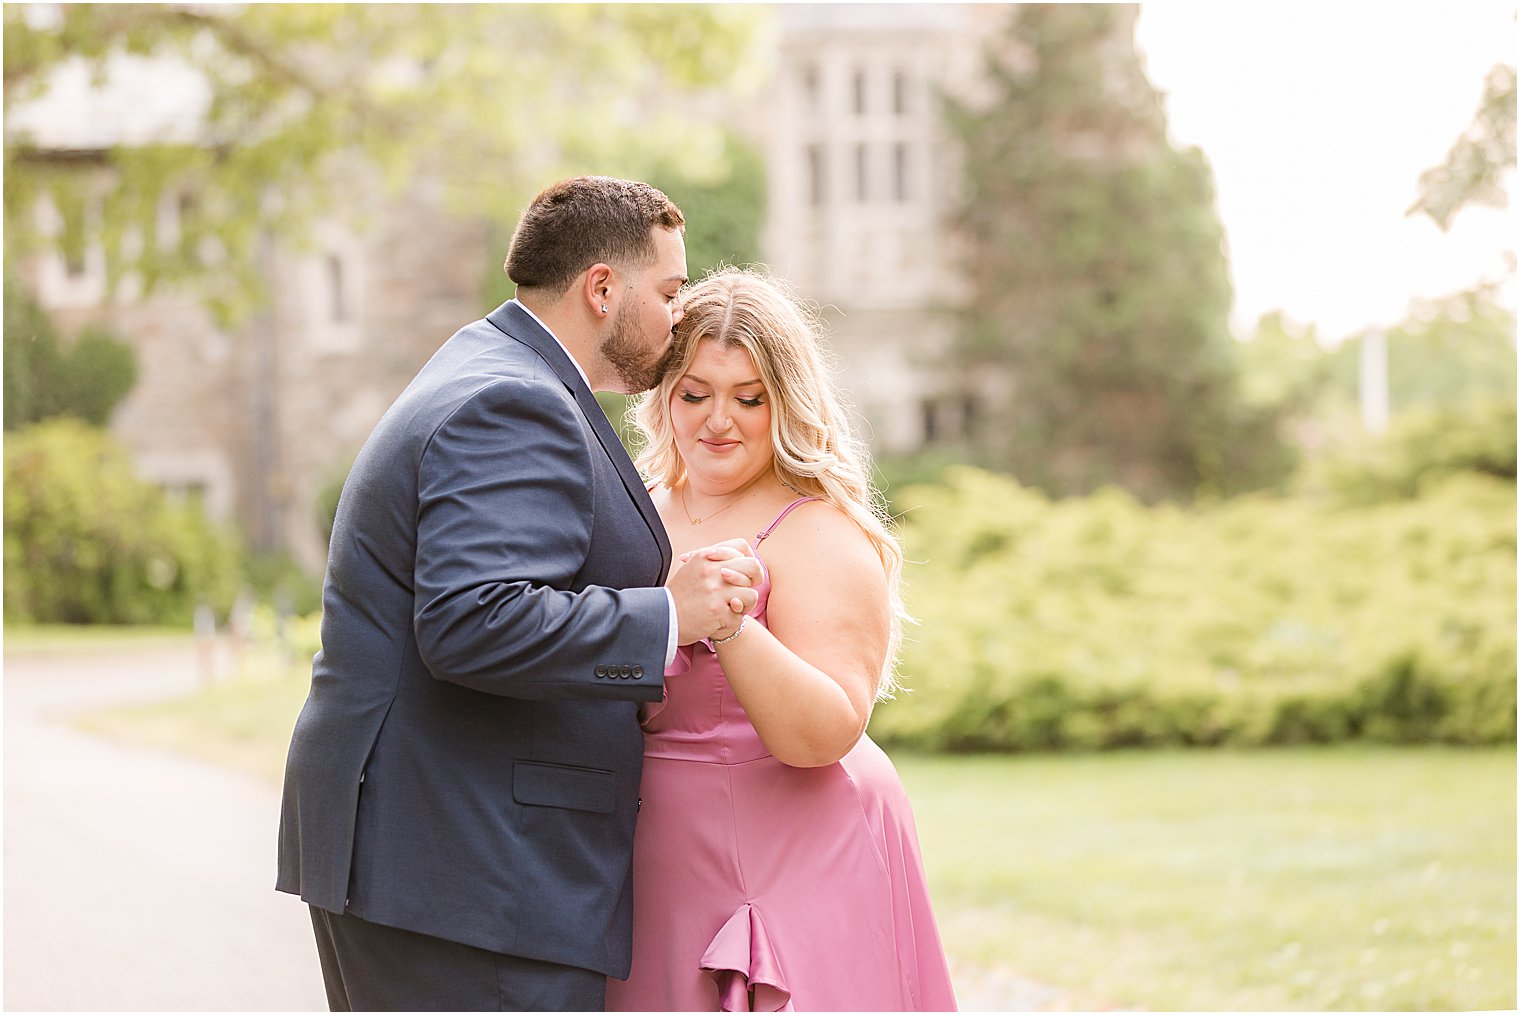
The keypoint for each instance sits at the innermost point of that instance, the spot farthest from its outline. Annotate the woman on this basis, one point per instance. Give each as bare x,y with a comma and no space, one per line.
776,864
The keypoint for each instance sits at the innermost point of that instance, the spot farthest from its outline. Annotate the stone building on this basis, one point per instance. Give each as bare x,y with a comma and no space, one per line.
863,179
256,422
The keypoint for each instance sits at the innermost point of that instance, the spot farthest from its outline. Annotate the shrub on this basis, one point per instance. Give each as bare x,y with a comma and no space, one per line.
87,541
1422,446
1099,622
46,378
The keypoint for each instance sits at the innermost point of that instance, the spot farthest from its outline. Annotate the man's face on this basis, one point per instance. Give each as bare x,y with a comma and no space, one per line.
638,344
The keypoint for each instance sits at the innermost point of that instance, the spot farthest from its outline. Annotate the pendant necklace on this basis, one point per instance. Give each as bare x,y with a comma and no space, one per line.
681,495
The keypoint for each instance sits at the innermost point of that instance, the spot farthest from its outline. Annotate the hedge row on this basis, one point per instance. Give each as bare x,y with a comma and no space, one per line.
1101,623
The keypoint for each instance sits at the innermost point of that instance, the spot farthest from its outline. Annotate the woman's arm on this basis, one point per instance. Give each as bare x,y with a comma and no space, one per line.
809,682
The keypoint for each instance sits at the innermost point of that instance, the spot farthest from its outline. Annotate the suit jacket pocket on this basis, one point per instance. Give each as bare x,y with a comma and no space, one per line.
581,789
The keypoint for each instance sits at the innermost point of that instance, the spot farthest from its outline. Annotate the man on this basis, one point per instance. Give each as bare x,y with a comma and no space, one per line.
462,782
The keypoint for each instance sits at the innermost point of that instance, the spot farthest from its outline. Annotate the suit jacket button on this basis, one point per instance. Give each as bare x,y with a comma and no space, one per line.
601,671
624,672
638,673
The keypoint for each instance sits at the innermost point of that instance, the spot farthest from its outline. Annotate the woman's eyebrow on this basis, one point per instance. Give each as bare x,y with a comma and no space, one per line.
741,384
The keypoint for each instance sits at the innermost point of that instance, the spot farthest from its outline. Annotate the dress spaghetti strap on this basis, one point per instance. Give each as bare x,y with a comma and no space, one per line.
784,512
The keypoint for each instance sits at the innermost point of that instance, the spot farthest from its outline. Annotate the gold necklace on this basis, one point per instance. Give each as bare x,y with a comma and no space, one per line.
681,496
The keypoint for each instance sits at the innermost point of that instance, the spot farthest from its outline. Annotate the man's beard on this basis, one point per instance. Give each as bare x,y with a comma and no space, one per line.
639,368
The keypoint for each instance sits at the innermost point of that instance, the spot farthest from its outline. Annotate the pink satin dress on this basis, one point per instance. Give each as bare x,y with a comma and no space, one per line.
762,887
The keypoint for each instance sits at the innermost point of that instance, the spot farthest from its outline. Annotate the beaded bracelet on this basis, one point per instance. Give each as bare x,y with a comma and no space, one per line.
723,641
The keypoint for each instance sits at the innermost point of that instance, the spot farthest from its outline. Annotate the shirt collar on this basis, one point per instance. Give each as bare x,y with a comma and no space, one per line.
552,335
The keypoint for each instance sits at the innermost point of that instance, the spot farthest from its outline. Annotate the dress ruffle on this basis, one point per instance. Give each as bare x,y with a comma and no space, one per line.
743,962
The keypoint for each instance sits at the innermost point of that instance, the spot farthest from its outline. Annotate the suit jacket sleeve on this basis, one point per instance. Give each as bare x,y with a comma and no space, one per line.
504,528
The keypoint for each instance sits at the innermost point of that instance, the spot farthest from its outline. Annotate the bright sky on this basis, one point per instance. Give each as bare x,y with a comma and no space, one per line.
1318,120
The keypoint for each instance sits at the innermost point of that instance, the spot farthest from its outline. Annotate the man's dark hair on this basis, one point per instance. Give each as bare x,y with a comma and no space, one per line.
588,220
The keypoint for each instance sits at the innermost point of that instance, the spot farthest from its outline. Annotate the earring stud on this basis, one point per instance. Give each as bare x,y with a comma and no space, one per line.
604,308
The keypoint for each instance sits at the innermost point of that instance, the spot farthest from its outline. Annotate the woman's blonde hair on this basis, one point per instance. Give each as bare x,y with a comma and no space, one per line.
817,452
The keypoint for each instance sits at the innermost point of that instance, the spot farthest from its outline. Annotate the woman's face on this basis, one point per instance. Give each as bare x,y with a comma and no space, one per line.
721,415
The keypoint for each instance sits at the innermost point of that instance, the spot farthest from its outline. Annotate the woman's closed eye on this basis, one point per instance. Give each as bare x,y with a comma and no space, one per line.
693,398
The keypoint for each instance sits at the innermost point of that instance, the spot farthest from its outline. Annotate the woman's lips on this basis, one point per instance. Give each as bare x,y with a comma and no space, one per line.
720,447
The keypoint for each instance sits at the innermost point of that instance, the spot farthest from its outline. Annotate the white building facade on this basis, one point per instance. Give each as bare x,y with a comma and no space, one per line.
864,180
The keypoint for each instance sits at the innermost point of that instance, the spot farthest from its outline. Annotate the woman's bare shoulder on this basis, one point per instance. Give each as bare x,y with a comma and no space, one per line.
818,538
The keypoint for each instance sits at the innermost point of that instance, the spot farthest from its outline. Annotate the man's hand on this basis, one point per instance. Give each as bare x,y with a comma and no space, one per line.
713,588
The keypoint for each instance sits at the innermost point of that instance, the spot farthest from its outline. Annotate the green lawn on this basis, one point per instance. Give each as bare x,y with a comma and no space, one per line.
88,637
1303,879
1309,879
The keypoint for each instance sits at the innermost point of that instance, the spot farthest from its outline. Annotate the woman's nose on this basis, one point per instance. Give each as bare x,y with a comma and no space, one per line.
717,422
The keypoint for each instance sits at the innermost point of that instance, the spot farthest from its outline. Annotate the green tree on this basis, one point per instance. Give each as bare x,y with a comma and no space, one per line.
1097,326
44,378
724,209
1475,168
1283,365
302,101
1448,354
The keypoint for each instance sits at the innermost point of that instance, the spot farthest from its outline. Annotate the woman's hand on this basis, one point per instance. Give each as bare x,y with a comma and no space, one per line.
713,589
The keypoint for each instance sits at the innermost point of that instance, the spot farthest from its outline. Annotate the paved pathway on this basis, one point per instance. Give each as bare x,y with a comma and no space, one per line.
137,880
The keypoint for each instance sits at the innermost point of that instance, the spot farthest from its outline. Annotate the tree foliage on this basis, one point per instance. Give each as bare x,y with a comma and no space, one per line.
1422,448
724,210
1474,170
1098,320
304,101
86,378
86,541
1448,353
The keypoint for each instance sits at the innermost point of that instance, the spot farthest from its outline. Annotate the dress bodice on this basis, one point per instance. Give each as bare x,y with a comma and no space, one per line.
700,718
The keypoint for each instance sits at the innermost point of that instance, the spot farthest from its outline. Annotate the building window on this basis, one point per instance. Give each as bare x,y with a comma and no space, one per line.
338,298
816,175
971,416
862,190
810,88
333,280
900,93
185,209
860,92
900,188
186,493
929,414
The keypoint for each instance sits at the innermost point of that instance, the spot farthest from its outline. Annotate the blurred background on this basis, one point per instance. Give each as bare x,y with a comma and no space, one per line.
1183,335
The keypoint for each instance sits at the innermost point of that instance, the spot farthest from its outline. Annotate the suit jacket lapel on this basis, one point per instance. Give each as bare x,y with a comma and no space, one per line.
517,323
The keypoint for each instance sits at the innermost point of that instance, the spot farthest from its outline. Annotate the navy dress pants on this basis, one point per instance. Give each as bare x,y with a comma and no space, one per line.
369,967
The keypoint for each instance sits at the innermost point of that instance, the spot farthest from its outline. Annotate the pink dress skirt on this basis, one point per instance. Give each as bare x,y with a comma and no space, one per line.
762,887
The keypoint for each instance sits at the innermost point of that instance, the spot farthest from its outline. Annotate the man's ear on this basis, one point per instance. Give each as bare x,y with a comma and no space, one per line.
597,288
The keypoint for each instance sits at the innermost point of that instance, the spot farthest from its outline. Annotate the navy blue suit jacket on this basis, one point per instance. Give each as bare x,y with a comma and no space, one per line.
467,763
